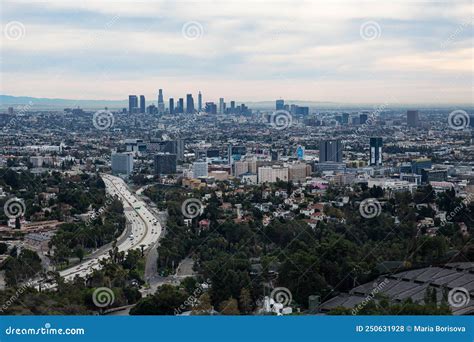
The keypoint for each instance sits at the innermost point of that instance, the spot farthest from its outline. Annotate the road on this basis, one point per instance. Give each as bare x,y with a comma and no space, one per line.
144,229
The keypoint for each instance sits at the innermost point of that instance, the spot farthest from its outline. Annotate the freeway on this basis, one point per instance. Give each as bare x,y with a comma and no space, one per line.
144,232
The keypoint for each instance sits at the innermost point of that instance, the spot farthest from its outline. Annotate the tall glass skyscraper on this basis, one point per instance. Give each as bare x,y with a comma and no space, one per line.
330,151
161,103
132,103
189,104
199,101
142,104
376,151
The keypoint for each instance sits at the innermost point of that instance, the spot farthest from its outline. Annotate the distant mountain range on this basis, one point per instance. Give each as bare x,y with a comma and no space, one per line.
48,103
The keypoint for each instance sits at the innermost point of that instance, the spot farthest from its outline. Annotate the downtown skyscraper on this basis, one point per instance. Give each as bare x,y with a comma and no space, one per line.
132,104
199,102
161,103
189,104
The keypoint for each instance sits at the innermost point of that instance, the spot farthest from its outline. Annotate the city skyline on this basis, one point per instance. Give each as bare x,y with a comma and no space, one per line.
362,52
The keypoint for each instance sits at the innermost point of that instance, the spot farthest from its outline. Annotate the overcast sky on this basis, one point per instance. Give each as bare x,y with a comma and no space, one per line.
400,51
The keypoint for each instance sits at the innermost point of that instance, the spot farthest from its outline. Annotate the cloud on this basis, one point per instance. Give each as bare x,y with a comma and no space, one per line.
244,44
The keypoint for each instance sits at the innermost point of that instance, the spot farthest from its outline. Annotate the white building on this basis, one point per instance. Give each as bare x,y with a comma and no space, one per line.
122,163
240,167
270,174
297,172
200,169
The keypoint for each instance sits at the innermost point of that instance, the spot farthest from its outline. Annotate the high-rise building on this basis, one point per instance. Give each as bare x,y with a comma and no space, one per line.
271,174
376,151
345,118
300,152
298,172
161,103
330,151
221,105
122,163
180,107
280,104
211,108
412,118
363,118
199,102
240,167
274,155
132,104
171,105
200,169
189,104
165,163
421,164
232,107
142,104
172,146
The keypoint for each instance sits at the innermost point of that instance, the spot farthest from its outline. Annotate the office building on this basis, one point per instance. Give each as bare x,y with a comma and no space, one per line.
420,164
433,176
232,107
271,174
221,105
300,152
152,109
363,118
122,163
172,146
132,104
161,103
189,104
280,104
200,169
330,151
376,151
345,118
199,102
412,118
165,163
240,168
298,172
171,105
211,108
180,107
142,104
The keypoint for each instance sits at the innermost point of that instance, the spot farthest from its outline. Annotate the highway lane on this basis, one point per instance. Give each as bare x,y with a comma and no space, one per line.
145,228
